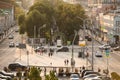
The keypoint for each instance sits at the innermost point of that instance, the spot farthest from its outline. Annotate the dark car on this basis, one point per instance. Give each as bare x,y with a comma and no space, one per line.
16,66
63,49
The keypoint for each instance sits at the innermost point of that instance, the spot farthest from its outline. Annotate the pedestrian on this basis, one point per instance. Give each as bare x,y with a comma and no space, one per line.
44,71
49,54
51,63
99,69
83,68
67,61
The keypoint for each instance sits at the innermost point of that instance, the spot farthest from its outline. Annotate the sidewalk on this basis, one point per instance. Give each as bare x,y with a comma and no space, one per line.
9,32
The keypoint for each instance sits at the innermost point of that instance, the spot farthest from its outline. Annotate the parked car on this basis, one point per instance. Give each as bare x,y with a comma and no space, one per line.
38,49
104,46
91,76
63,49
11,44
8,74
98,54
91,72
83,72
74,77
17,44
10,36
16,29
116,48
16,66
2,77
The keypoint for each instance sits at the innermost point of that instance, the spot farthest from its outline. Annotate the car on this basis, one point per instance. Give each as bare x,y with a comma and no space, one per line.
74,77
11,44
11,37
91,72
84,71
116,48
16,66
92,75
17,44
7,74
16,29
2,77
98,54
63,49
37,49
104,46
92,78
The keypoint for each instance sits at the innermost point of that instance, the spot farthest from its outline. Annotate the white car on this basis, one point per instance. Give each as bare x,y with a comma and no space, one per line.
2,77
104,46
11,44
74,77
11,37
17,44
91,76
98,54
8,74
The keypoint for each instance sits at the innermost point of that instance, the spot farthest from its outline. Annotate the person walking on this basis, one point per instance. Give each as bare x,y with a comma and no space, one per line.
67,61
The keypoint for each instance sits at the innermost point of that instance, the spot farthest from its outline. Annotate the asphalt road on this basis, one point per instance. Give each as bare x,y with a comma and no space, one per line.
7,54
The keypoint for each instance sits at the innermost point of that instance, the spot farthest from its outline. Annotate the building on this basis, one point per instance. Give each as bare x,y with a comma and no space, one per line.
110,26
6,16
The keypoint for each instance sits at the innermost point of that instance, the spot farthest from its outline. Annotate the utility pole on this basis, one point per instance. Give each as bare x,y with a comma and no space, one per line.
72,56
92,46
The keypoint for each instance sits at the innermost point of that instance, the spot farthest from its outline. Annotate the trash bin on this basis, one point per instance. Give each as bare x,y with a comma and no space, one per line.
81,54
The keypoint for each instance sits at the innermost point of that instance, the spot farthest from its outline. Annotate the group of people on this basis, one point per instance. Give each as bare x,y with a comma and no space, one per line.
66,61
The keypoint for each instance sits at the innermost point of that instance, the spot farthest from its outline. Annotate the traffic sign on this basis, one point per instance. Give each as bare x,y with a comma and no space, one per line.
107,52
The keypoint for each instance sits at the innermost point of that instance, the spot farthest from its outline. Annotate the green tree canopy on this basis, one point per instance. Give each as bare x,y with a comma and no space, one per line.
34,74
61,15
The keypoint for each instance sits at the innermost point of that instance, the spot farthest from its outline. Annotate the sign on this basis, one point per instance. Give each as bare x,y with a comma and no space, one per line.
82,43
36,41
107,52
59,42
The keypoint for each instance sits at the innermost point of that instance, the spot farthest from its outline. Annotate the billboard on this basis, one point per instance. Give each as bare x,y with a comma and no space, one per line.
36,41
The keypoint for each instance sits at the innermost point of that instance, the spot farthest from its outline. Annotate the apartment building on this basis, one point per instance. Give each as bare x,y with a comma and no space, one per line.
6,16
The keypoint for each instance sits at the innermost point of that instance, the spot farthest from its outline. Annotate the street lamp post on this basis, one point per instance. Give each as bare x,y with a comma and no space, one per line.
28,58
72,59
84,20
43,26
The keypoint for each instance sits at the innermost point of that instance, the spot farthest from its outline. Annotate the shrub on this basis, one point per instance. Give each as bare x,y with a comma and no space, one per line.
115,76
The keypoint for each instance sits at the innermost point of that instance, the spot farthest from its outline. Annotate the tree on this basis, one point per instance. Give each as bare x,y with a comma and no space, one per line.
34,74
61,15
34,20
21,23
66,17
51,76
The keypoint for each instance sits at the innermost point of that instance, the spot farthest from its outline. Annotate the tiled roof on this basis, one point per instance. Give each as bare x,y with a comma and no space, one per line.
5,5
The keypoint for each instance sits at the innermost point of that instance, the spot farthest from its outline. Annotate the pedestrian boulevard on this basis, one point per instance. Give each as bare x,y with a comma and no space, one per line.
56,60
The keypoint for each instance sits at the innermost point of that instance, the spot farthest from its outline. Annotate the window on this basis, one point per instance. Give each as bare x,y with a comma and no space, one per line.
117,27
